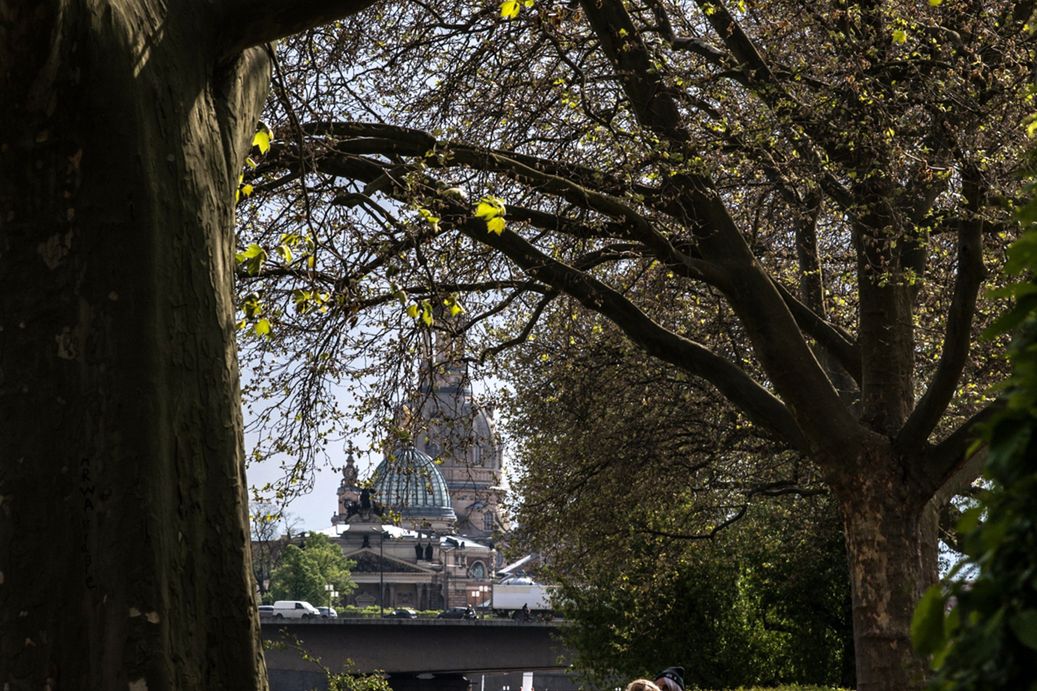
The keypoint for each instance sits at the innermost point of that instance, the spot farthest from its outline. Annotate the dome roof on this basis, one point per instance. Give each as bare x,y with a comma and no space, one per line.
409,482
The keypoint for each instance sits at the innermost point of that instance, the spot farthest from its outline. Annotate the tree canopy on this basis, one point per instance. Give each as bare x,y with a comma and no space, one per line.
657,511
982,629
304,570
794,203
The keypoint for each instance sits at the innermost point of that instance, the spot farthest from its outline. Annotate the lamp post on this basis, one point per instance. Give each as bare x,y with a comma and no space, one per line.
381,571
330,590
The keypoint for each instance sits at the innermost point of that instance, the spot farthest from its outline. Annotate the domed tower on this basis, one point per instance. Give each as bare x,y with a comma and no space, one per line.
449,425
409,483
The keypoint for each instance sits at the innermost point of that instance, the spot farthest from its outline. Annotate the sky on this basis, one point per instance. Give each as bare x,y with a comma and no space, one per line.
314,510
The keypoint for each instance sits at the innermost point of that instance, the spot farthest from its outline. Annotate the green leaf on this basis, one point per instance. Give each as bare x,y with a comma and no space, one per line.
899,36
927,623
1024,626
261,139
490,207
496,225
262,327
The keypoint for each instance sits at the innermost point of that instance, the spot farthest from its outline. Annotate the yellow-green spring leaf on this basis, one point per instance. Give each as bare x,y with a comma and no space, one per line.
496,225
261,139
490,207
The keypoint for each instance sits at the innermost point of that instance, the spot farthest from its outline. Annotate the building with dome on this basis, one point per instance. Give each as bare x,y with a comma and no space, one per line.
421,527
399,531
448,424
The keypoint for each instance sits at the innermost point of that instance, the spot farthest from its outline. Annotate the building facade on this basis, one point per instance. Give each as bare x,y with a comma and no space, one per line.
420,529
399,530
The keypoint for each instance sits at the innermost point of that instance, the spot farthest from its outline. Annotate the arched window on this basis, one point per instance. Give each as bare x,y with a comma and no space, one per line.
477,570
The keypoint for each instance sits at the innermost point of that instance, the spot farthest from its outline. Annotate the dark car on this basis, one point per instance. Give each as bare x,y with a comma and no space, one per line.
402,613
457,613
328,612
266,611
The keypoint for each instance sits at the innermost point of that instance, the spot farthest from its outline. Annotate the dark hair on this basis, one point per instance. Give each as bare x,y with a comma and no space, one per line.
673,674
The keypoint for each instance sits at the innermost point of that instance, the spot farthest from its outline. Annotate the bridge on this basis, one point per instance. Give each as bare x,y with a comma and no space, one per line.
417,654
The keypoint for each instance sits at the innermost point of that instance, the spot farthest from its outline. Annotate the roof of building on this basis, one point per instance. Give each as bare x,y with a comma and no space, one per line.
409,482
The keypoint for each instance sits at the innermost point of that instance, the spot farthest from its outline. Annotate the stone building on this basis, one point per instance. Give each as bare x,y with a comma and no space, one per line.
448,424
421,527
417,560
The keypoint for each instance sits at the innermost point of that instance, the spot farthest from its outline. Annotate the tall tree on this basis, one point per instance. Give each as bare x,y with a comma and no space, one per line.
124,128
304,571
657,511
835,176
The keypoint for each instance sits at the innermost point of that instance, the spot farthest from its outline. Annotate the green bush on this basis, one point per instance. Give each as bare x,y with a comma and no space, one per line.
375,611
988,639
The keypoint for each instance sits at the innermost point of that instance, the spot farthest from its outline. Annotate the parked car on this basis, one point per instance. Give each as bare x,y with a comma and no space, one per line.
457,613
328,612
294,609
402,613
266,611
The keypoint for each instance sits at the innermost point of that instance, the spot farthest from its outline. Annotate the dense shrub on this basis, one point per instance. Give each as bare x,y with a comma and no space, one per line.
988,639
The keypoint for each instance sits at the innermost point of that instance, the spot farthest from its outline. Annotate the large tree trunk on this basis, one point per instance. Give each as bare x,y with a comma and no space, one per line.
123,541
889,569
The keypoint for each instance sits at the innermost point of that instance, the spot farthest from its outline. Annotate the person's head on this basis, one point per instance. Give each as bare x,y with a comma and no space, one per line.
671,679
642,685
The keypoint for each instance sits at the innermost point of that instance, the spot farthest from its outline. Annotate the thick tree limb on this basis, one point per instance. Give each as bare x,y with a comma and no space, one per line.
777,340
255,22
942,461
958,330
835,341
385,139
759,405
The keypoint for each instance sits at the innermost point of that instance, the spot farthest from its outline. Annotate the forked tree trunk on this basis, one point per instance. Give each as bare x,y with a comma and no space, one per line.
889,570
123,541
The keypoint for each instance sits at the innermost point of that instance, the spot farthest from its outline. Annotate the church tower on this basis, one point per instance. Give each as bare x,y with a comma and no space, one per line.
458,432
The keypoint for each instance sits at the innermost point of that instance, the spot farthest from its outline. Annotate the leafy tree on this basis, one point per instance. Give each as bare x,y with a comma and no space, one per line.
302,572
123,131
658,513
989,638
831,180
268,523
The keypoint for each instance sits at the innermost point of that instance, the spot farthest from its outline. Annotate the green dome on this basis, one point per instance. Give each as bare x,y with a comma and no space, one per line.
409,482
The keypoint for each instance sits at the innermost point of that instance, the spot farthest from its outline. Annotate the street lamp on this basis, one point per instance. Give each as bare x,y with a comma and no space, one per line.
330,590
381,571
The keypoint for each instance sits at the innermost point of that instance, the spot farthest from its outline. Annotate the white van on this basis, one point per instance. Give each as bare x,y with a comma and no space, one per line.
294,609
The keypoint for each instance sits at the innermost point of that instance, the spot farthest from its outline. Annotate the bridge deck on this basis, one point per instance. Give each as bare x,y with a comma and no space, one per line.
415,646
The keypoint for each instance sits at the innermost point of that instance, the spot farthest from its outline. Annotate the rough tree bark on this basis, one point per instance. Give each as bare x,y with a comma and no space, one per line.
123,542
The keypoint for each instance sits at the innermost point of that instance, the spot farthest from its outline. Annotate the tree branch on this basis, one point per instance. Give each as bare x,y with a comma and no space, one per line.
759,405
834,340
942,461
958,330
255,22
777,340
